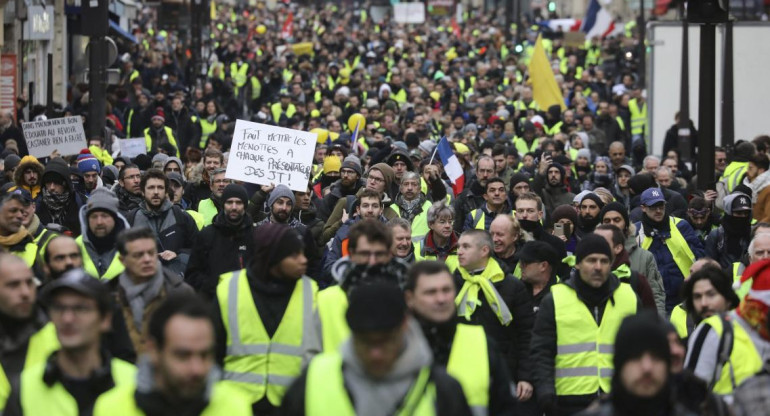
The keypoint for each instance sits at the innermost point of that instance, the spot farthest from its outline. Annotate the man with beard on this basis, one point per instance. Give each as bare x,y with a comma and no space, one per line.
224,246
89,168
401,163
100,223
174,229
306,213
60,255
402,247
496,205
585,310
196,191
730,241
472,196
129,191
210,207
27,175
59,203
181,122
14,237
180,375
502,170
549,178
588,217
348,184
412,205
519,184
430,293
706,292
671,241
700,217
642,383
506,237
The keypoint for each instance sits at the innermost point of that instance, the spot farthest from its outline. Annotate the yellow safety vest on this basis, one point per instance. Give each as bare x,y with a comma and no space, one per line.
326,394
197,217
207,129
43,239
469,364
332,305
419,223
584,349
277,110
451,261
638,117
116,267
679,320
553,130
744,288
207,210
521,146
5,389
744,359
239,74
258,364
399,97
29,255
169,135
224,400
733,174
38,398
221,67
677,246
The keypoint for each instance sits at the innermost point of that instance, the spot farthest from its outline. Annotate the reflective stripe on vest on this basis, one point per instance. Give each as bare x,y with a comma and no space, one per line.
744,288
332,305
744,359
116,267
43,239
679,320
732,175
276,110
239,73
37,397
479,219
584,349
521,146
208,211
677,246
263,366
469,364
28,255
326,394
638,117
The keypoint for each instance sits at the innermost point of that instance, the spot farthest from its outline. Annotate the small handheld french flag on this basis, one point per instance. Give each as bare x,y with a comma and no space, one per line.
452,166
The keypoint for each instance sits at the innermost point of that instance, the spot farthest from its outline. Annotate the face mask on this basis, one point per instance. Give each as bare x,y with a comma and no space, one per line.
529,225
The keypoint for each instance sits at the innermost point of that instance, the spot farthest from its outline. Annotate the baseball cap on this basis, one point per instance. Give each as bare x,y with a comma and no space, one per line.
737,201
652,196
176,177
81,282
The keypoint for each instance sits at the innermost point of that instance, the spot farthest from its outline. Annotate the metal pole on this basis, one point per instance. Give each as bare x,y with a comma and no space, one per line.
642,47
728,101
685,146
97,85
49,86
706,110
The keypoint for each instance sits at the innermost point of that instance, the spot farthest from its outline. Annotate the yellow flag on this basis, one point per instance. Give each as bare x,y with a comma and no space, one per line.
545,91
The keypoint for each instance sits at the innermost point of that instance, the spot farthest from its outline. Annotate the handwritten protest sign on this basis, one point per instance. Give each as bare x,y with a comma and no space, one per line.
267,155
64,135
132,147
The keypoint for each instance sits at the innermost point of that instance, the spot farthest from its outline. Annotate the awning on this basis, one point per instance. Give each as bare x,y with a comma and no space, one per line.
122,32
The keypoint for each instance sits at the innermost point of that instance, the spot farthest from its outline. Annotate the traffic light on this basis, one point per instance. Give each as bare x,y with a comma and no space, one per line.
707,11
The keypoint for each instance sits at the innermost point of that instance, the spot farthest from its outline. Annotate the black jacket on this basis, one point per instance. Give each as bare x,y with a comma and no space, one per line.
512,340
327,204
196,192
174,229
543,353
69,218
221,247
468,200
187,131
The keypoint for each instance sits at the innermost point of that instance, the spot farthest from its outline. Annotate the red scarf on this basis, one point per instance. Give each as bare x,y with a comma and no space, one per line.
754,312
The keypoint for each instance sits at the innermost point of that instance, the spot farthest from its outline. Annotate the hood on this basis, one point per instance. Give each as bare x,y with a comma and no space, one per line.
28,162
176,160
84,222
402,156
631,243
760,182
58,167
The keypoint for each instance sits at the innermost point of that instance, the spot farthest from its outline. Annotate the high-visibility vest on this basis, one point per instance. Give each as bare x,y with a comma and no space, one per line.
584,349
29,255
326,394
733,175
332,306
555,129
207,210
744,288
258,364
399,97
37,397
521,146
224,400
116,267
221,73
469,364
239,74
419,255
744,360
197,217
679,320
207,129
41,344
256,88
419,223
638,117
277,110
169,136
621,123
677,246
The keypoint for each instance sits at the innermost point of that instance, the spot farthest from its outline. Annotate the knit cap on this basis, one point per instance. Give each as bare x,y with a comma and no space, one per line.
427,146
584,153
11,161
564,211
387,172
332,164
376,306
592,244
234,190
640,334
593,197
102,199
278,192
88,162
353,163
617,207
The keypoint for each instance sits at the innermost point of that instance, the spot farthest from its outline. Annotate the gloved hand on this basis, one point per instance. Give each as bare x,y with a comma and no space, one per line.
547,403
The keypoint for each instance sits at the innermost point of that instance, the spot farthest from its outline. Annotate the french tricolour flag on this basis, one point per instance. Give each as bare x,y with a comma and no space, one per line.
452,166
598,20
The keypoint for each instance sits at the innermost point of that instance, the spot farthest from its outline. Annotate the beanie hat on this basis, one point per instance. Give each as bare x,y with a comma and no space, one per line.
159,113
375,306
234,190
593,197
143,161
332,164
387,172
110,174
275,243
160,158
744,151
617,207
278,192
592,244
564,211
102,199
584,153
640,183
88,162
759,272
353,163
518,177
11,161
640,334
427,146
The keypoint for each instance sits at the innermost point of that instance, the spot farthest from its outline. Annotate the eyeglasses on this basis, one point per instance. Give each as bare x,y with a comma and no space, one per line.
77,310
375,179
657,207
347,172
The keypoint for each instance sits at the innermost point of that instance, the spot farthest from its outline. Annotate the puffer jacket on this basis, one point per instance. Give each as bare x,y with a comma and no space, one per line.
18,175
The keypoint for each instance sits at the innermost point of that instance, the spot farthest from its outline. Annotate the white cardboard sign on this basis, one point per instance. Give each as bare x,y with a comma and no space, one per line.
64,135
265,155
409,13
132,148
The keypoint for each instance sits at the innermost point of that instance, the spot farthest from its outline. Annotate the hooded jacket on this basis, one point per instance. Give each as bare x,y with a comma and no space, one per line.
760,192
334,222
553,196
18,175
69,218
104,260
174,229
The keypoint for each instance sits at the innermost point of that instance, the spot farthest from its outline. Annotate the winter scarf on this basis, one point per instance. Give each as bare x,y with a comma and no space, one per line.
141,294
57,204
